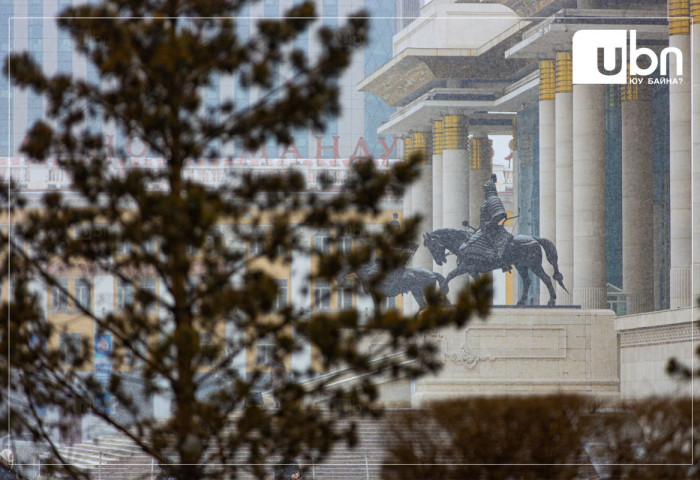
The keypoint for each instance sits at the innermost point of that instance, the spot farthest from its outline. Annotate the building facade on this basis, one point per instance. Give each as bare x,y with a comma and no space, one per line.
604,169
31,26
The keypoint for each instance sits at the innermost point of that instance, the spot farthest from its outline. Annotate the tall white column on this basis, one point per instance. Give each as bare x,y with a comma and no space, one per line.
481,166
408,302
422,200
437,182
680,158
547,161
515,278
695,37
637,199
455,184
589,195
547,151
564,176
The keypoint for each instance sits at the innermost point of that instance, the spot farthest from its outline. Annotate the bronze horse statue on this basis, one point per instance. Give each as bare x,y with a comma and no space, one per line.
522,251
399,281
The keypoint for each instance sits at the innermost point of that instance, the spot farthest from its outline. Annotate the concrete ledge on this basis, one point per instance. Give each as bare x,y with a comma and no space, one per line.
655,319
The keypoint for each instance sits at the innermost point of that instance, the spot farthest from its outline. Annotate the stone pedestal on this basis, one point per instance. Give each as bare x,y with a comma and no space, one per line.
647,342
526,351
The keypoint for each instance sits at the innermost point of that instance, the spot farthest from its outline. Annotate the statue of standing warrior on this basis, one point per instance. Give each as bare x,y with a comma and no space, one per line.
492,238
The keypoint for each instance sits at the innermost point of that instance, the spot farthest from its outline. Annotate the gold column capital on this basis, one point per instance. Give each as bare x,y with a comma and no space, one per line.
565,75
481,152
407,147
455,132
547,80
695,11
420,144
638,91
678,17
438,128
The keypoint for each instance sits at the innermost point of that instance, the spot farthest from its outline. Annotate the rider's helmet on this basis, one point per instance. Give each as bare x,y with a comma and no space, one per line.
395,224
490,186
7,457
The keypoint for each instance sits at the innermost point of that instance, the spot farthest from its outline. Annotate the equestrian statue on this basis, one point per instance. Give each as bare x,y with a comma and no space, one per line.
491,247
401,280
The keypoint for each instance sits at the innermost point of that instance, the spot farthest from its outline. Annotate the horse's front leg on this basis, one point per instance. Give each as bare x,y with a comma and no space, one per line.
461,269
418,295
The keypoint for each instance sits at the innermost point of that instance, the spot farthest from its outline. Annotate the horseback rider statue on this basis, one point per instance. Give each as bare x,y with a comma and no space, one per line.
492,238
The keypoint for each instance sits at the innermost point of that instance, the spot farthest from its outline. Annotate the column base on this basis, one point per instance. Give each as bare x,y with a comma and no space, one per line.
640,303
591,297
680,287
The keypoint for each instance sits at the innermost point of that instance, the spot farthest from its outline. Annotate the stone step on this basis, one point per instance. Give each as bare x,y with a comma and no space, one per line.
113,452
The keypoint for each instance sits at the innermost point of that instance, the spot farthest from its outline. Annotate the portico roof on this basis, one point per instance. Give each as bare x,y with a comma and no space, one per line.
417,115
414,71
547,37
527,8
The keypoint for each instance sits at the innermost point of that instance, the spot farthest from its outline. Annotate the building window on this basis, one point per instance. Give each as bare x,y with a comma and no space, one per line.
265,351
345,298
206,342
390,303
257,244
282,294
191,250
322,244
139,346
345,245
70,348
59,299
124,248
150,246
149,285
322,295
83,292
125,295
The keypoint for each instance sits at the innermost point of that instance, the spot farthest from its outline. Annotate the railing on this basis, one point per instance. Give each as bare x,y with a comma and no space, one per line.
617,300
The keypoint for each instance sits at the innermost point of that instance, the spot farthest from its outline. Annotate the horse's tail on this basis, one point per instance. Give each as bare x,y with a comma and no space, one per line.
553,258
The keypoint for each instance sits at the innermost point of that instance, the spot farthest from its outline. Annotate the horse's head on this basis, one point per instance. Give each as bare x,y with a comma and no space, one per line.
436,248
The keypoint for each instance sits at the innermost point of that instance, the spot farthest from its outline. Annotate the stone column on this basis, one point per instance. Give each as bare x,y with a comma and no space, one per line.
637,198
515,278
564,157
695,76
547,160
408,196
408,301
589,195
547,151
455,183
422,200
680,161
481,166
437,182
